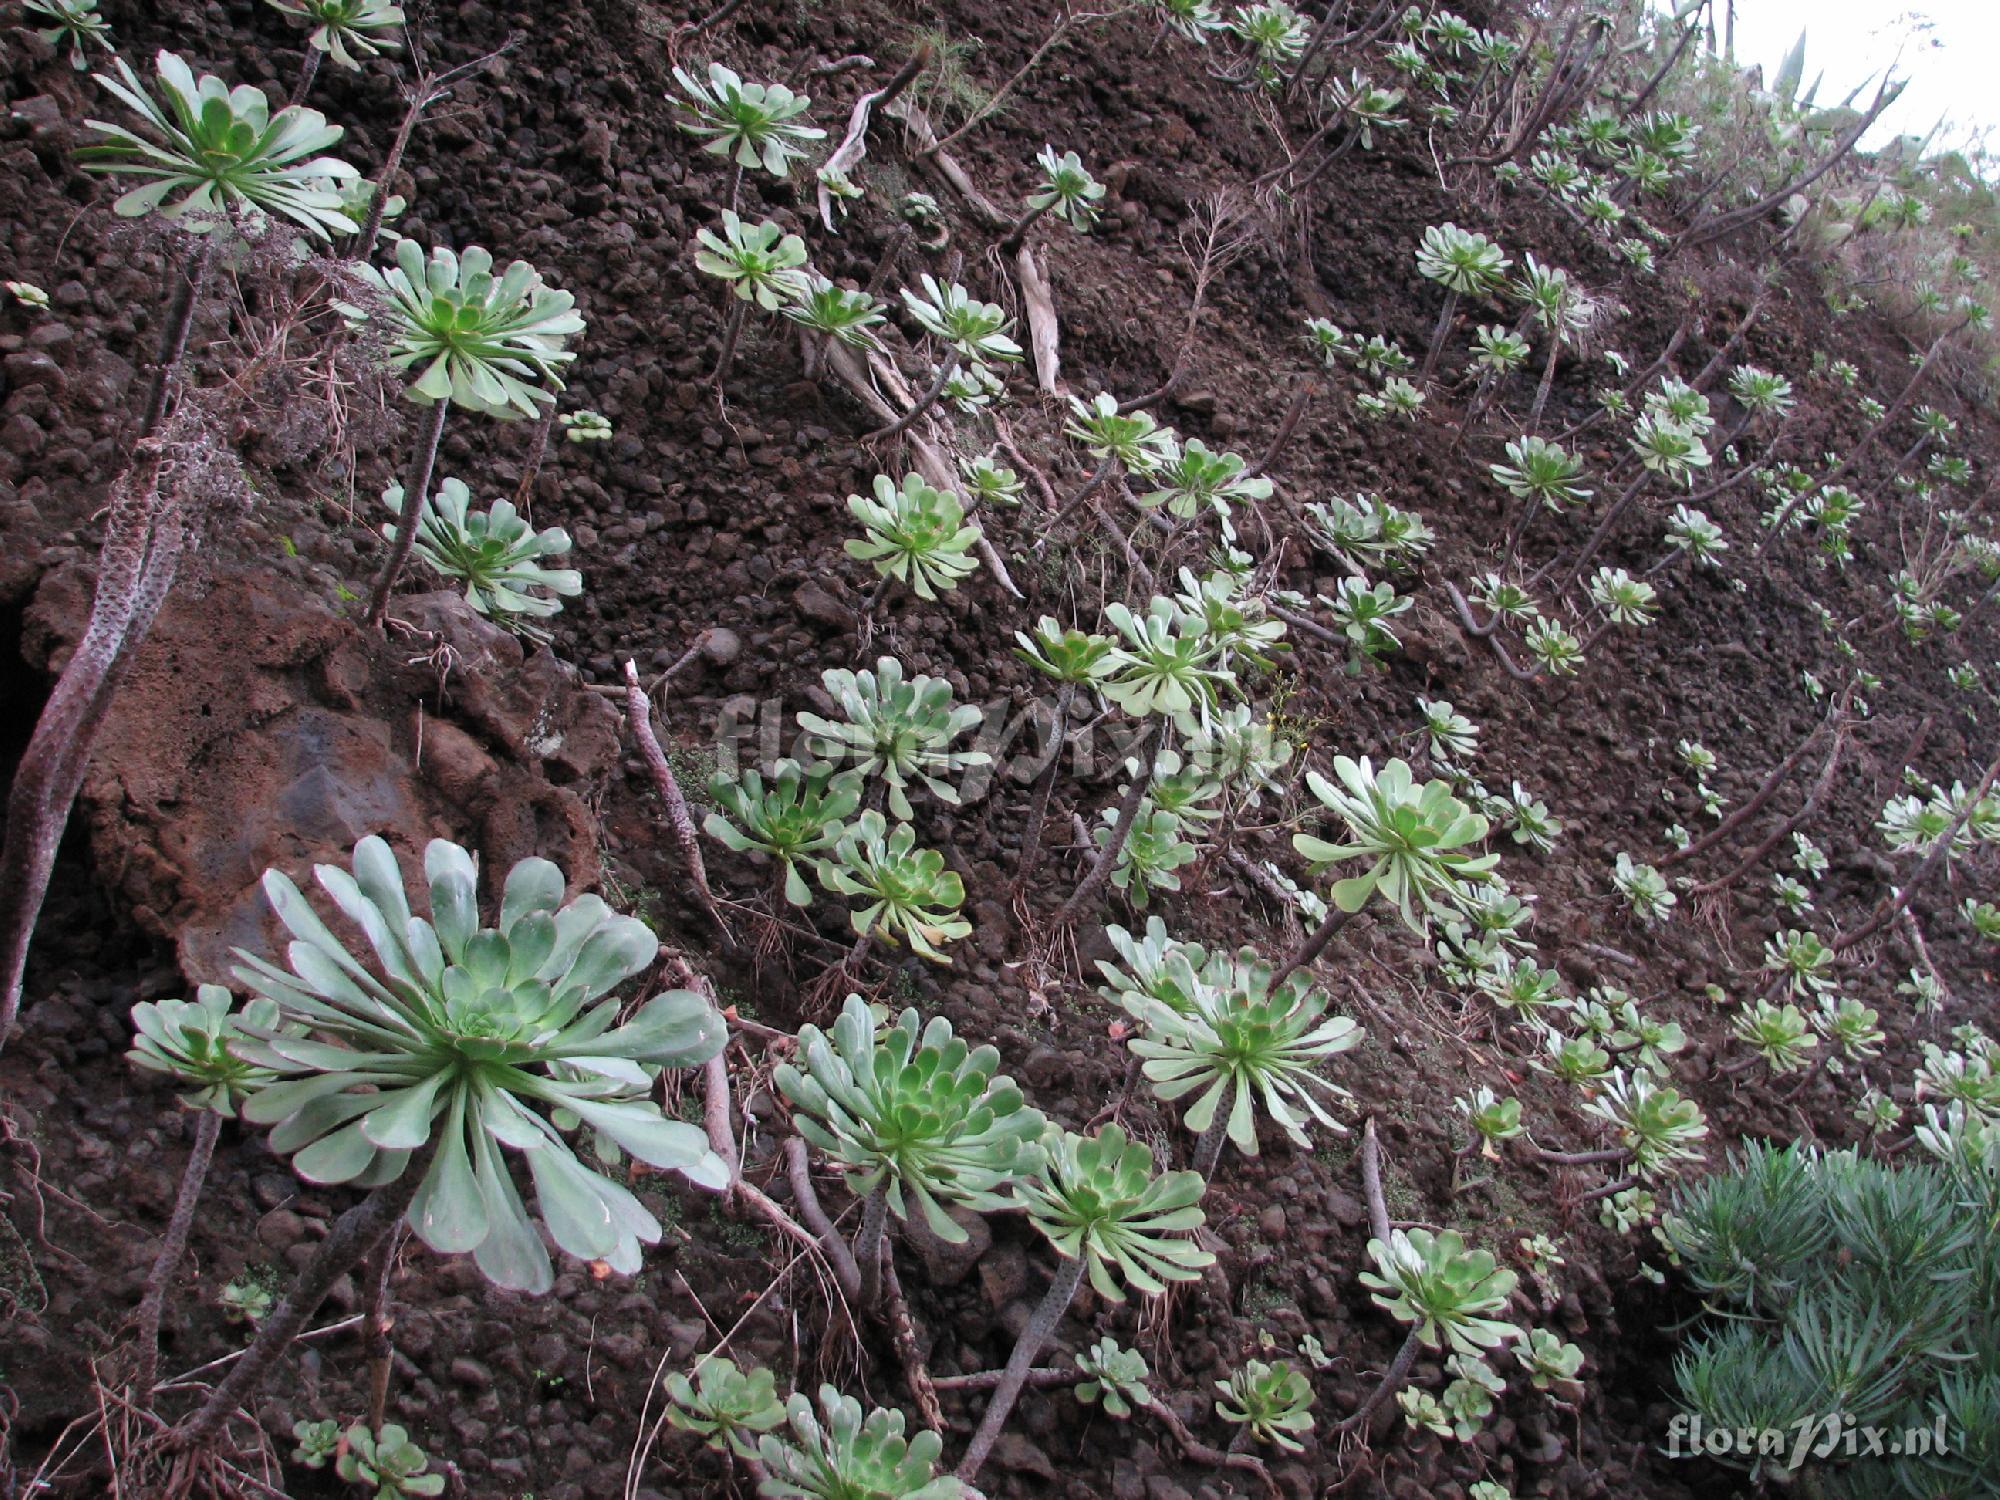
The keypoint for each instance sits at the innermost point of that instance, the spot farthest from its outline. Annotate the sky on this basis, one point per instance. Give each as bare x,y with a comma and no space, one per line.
1950,51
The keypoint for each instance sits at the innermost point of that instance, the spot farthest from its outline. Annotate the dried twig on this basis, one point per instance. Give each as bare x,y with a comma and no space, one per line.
853,146
1044,332
639,716
1216,239
904,1332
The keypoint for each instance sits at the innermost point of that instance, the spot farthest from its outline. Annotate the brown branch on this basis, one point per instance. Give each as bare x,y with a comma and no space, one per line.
1486,633
1222,243
1294,414
173,1246
904,1334
1777,777
1054,39
354,1234
378,1328
1313,946
1041,1379
1785,829
1582,1158
639,716
1378,1228
798,1171
1201,1453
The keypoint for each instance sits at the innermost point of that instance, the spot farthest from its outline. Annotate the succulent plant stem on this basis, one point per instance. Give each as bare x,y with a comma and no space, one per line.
308,71
868,1243
1041,1323
1437,339
1313,946
1128,810
1038,811
144,537
731,332
925,402
531,469
173,344
416,490
354,1234
1208,1145
376,1331
207,1131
